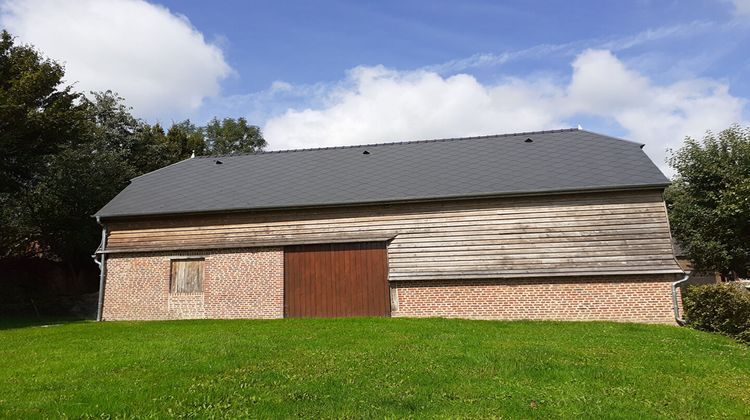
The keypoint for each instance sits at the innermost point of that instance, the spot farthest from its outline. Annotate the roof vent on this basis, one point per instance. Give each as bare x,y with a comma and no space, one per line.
528,140
218,162
365,152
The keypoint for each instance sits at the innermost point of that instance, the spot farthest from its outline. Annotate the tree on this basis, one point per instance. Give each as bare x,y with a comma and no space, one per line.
55,215
230,136
151,149
39,117
709,201
183,139
115,130
51,214
37,114
65,155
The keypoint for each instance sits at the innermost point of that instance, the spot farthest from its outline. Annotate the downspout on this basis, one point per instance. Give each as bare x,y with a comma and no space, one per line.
680,321
675,285
101,262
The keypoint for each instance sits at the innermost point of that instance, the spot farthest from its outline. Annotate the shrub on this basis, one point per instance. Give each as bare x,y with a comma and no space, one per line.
723,308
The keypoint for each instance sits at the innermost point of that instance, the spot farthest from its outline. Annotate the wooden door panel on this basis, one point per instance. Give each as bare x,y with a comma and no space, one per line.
336,280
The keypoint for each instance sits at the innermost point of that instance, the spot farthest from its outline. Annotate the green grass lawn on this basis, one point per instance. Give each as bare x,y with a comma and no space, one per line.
370,368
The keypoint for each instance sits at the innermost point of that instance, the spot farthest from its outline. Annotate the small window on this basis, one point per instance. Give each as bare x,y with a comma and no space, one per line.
187,276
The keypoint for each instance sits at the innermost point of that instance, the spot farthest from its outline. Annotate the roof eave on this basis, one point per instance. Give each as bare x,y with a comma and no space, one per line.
392,201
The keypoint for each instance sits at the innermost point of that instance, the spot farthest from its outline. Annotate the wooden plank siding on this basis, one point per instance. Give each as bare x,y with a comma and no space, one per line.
573,234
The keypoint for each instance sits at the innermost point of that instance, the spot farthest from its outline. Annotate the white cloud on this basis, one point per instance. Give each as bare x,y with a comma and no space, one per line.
281,86
741,7
380,104
156,60
612,43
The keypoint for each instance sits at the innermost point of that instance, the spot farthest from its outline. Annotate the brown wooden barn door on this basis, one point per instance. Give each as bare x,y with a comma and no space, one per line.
336,280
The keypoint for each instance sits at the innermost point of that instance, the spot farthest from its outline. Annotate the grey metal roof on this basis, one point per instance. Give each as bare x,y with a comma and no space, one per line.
554,161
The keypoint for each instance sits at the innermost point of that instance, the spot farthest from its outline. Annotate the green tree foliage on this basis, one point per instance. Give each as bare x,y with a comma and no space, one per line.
64,155
37,114
709,202
51,214
183,139
55,215
230,136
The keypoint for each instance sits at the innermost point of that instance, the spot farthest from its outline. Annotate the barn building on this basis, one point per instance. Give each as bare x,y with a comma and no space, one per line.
565,224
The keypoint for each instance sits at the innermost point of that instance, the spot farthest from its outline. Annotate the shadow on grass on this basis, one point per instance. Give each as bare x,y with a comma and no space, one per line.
13,322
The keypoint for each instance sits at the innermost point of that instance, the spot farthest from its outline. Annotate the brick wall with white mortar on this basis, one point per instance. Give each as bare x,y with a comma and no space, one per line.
249,283
634,298
240,283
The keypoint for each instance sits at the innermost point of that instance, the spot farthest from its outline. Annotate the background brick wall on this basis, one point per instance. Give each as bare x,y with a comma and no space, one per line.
239,283
646,298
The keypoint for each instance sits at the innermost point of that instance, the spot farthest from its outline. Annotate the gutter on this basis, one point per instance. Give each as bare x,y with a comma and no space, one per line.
101,262
675,285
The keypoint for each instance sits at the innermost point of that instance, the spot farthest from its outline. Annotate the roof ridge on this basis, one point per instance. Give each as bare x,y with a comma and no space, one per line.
522,133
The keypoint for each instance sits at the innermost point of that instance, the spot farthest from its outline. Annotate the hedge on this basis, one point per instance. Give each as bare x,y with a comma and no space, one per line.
722,308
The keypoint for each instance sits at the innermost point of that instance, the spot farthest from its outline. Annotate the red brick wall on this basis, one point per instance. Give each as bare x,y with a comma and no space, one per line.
646,298
242,283
248,283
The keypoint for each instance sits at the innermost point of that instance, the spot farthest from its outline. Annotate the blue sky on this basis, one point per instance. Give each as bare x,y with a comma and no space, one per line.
305,42
343,72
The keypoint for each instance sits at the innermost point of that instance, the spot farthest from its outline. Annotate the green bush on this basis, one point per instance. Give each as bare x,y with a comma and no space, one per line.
723,308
